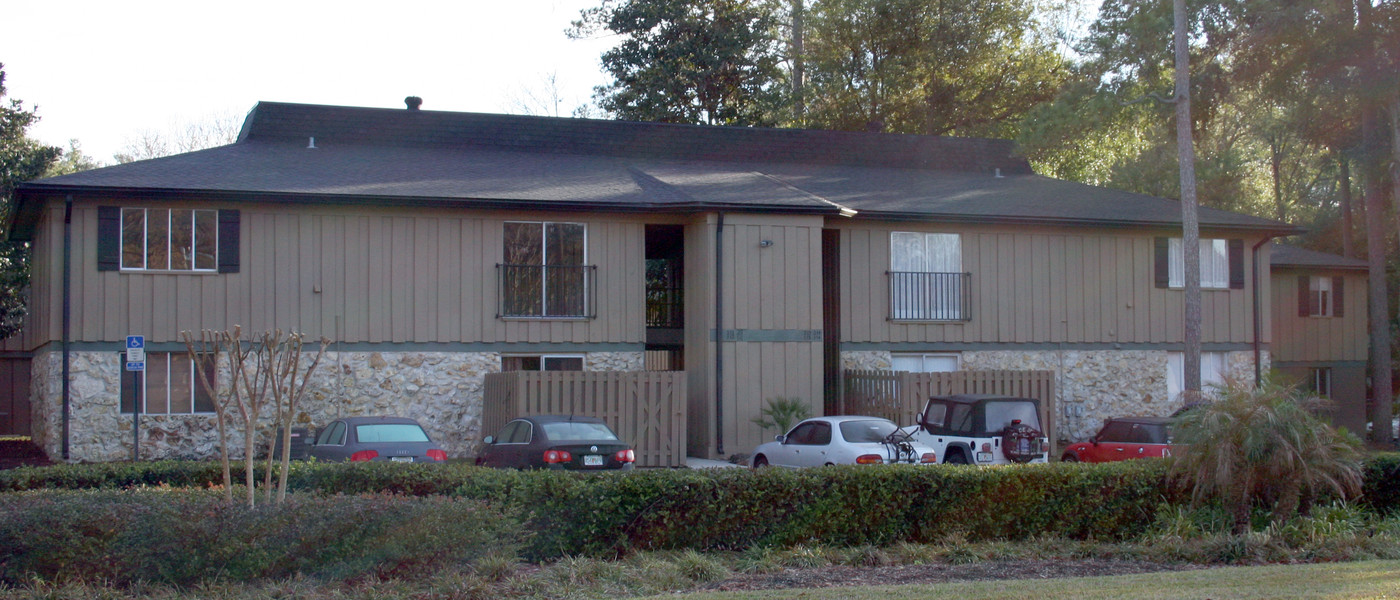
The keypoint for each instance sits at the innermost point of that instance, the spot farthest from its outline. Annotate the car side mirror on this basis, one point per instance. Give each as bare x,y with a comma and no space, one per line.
490,439
1094,440
780,438
919,418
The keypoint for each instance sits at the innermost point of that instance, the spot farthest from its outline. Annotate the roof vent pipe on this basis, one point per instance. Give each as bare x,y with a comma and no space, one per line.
413,102
311,143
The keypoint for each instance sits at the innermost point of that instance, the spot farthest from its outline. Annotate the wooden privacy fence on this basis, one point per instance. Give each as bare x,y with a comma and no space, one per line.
899,395
646,409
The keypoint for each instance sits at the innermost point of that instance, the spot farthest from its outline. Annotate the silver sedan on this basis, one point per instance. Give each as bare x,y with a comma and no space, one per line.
847,440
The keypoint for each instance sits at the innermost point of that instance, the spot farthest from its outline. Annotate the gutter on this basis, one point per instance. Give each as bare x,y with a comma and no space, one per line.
719,337
67,312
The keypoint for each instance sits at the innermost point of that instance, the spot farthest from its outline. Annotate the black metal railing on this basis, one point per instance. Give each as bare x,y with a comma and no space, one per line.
546,291
665,307
919,296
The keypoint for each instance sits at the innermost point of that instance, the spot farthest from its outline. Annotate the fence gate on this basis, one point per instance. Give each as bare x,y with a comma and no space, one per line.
900,395
645,408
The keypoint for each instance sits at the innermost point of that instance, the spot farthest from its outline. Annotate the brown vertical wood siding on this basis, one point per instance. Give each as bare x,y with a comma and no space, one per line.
1318,339
1038,285
766,289
383,275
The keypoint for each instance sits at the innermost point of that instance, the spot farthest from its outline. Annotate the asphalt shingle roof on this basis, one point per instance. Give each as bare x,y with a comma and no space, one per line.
1282,255
469,159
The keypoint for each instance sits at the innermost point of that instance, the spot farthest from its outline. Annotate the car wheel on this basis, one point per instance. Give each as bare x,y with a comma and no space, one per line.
760,461
956,458
1069,458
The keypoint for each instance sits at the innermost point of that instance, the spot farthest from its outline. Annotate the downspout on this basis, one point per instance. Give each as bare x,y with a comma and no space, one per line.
67,310
719,336
1258,320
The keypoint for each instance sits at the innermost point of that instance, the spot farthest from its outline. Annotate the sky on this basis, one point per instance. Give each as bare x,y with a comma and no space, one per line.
103,72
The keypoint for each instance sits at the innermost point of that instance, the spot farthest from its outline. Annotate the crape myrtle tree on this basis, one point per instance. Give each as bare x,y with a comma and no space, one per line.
21,159
265,373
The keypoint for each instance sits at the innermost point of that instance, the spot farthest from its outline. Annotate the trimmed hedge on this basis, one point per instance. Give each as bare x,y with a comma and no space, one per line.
1381,490
188,536
605,513
844,506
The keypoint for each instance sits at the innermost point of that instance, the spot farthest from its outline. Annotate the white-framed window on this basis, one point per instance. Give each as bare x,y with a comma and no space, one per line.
169,385
924,363
1320,296
1215,264
542,362
1212,372
545,271
927,282
169,239
1321,382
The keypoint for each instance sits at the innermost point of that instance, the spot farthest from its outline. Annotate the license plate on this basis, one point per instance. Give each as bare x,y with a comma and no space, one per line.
592,460
984,457
401,458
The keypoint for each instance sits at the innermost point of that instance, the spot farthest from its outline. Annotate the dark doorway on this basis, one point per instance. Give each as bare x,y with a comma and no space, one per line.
14,396
665,301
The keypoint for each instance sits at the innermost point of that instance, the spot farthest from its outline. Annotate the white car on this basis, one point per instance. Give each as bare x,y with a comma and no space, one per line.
848,440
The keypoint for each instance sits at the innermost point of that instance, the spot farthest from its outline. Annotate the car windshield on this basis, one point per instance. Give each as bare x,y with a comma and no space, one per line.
1000,414
861,432
577,430
390,432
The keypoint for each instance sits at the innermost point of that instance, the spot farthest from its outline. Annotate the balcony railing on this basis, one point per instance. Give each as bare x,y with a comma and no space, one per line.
665,307
920,296
546,291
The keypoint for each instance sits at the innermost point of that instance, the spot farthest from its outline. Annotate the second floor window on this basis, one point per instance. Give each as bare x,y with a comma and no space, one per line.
169,239
1215,264
544,273
927,282
1320,296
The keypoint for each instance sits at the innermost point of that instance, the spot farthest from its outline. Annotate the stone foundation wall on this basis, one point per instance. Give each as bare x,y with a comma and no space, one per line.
866,360
442,390
614,361
1093,385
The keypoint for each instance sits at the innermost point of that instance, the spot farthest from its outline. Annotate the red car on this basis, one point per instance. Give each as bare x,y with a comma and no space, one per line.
1125,438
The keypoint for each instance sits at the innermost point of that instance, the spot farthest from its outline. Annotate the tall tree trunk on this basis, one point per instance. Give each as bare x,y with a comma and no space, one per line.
1373,165
1276,165
1344,185
799,62
1190,227
1395,156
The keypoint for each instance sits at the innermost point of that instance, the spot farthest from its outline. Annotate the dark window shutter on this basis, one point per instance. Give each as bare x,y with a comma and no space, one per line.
1304,296
228,241
1338,297
109,238
1236,248
1159,262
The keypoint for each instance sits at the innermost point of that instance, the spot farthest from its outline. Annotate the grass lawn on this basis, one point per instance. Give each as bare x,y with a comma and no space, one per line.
1358,580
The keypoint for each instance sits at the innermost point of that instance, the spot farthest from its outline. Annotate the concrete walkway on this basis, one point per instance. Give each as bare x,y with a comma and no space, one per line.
692,462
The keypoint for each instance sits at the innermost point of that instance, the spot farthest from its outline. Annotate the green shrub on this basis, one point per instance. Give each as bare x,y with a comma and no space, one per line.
603,514
1265,446
1381,490
184,537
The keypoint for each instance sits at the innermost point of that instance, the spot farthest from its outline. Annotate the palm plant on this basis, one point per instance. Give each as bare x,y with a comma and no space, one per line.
1265,446
782,413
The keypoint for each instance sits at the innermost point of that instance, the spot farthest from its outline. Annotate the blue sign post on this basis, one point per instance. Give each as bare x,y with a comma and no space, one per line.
136,362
